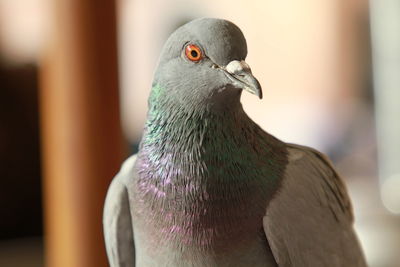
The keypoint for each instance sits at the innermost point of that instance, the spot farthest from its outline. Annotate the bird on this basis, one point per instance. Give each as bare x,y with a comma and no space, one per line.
208,186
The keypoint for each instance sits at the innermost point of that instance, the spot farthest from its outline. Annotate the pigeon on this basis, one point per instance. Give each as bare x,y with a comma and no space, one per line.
208,186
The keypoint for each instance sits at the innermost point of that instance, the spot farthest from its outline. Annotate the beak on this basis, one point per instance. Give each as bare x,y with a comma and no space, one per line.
240,75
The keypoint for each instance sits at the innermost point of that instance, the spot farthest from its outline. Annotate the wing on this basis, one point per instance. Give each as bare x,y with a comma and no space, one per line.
118,232
309,222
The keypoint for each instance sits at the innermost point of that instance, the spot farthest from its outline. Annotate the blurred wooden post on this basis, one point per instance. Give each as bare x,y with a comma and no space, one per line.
80,126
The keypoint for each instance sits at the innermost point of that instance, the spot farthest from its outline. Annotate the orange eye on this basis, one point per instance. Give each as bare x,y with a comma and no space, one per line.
193,53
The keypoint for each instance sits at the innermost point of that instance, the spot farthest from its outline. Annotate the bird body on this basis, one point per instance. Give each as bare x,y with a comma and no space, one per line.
208,186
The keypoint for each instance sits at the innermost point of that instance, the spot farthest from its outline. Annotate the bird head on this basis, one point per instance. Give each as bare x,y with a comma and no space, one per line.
203,64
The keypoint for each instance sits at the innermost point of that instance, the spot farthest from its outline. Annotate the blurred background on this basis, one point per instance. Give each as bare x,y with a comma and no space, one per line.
74,80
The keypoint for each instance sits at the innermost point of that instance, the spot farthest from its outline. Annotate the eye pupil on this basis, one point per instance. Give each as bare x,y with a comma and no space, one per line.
194,53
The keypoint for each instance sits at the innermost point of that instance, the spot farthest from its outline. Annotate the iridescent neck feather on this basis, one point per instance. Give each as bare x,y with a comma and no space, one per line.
209,174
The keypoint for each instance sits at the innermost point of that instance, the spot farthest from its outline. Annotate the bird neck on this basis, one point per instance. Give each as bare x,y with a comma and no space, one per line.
193,131
222,164
204,143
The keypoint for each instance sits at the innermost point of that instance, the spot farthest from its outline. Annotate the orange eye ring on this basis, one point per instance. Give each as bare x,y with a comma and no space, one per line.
193,53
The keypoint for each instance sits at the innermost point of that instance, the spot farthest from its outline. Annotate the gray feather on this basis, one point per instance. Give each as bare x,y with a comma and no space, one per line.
309,221
118,231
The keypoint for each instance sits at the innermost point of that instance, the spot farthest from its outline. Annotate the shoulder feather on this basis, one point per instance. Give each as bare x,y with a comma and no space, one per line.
309,221
118,229
329,176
